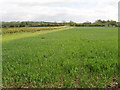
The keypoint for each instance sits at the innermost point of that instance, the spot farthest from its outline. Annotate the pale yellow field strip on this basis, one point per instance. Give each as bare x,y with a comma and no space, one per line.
14,36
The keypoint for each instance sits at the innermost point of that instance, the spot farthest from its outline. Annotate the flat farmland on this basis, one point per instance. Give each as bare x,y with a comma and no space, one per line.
72,57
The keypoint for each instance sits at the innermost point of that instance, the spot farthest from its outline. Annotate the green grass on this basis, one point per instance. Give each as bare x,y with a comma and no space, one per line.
76,57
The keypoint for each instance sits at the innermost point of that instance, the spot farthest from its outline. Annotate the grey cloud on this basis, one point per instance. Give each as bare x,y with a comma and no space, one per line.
17,11
37,3
57,17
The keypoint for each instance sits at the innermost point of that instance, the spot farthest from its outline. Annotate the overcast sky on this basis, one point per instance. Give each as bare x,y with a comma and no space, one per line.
58,10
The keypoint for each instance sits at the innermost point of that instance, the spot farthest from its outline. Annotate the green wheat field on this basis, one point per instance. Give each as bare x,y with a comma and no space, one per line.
63,57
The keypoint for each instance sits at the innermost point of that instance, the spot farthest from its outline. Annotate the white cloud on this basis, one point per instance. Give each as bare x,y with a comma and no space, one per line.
58,10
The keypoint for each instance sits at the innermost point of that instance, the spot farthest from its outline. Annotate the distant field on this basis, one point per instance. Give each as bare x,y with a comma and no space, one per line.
29,29
74,57
28,32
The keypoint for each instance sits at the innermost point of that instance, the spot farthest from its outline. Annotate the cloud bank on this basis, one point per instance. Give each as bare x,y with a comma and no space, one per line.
58,10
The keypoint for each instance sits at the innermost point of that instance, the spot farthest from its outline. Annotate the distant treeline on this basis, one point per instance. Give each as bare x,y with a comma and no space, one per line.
97,23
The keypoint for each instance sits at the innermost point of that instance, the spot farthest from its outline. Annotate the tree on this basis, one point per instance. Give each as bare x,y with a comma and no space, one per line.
113,23
72,23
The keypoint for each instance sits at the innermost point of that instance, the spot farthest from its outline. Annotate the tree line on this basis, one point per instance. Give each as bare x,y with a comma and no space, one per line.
97,23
